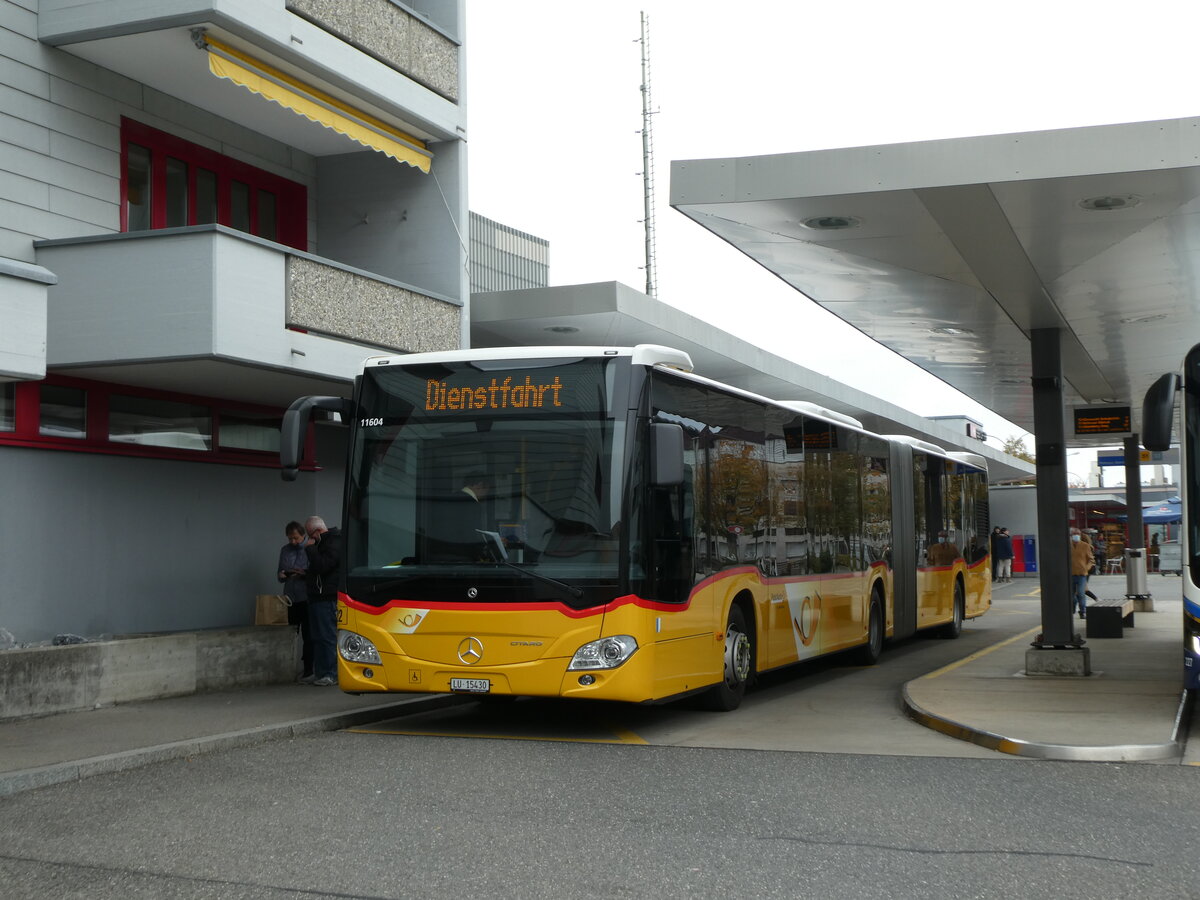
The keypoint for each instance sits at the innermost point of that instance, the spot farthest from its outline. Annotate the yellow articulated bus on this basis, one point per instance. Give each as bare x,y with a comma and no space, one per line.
602,523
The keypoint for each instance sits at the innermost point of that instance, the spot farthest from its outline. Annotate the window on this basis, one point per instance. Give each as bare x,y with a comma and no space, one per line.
137,188
169,182
159,423
250,431
63,413
206,197
8,406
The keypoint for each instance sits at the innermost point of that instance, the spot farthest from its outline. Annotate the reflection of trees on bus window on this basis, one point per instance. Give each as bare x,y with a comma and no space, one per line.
876,500
920,513
787,519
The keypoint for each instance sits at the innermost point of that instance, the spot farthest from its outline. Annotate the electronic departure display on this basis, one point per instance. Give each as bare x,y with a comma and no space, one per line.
1103,420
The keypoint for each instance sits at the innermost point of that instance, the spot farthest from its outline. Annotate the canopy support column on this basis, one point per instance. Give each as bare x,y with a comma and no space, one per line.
1059,648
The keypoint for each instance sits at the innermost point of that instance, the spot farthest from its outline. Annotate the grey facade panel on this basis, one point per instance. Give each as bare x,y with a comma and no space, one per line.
85,154
505,259
43,223
19,18
16,245
22,190
84,100
187,545
23,133
56,118
24,78
52,171
103,213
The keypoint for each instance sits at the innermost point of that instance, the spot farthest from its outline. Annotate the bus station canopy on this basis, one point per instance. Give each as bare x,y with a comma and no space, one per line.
951,252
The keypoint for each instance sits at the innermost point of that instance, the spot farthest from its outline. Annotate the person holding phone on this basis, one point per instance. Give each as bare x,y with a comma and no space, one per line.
293,563
324,549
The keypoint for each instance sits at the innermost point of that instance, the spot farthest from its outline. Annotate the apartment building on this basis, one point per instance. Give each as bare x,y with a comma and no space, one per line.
207,209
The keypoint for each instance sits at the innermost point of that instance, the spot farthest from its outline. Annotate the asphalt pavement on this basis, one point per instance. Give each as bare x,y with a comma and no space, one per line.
1131,708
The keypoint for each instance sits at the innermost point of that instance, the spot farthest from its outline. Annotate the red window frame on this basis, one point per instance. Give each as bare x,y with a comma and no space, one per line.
291,198
27,421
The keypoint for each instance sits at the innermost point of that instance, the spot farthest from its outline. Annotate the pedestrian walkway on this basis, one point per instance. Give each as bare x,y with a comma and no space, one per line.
52,749
1129,709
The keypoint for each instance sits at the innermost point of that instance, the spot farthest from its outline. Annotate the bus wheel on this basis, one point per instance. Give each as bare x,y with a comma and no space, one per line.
953,628
868,654
738,655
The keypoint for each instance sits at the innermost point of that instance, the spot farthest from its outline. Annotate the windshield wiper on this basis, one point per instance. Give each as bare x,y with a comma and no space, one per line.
496,544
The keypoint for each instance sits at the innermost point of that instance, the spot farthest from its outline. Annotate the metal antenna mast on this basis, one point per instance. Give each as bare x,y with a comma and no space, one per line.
648,160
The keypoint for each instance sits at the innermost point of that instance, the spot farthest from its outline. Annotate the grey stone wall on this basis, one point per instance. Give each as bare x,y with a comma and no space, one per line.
40,681
336,302
389,33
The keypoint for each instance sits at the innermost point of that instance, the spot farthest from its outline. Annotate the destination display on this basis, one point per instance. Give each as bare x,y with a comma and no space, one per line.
1103,420
813,435
494,394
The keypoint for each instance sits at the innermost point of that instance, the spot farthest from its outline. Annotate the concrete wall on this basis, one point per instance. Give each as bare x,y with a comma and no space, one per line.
101,545
45,680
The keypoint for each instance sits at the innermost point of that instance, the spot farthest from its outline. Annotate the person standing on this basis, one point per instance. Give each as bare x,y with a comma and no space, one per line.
1082,560
293,562
1003,556
995,558
324,549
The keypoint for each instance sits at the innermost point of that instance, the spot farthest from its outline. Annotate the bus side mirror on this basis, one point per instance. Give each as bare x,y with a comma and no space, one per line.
295,428
1158,412
666,454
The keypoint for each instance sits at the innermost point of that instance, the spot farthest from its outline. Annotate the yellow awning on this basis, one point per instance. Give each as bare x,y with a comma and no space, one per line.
313,103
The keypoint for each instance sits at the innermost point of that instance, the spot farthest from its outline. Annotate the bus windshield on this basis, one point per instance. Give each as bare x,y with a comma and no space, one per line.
503,475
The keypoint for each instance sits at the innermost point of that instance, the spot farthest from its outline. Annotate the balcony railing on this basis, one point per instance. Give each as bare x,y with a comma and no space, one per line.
392,35
207,292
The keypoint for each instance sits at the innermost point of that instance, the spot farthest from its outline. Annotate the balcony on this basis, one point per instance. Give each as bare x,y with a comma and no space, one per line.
210,311
377,56
23,289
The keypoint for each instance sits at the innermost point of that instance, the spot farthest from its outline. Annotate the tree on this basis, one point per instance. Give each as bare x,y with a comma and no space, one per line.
1015,446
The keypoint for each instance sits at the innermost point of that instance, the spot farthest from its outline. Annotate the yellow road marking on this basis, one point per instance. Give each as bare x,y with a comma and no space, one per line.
984,652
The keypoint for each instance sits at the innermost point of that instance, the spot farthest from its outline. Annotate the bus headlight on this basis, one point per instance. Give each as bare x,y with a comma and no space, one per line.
357,649
1196,644
606,653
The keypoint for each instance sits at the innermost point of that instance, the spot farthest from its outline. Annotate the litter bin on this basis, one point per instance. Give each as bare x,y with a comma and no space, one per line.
1030,553
1135,573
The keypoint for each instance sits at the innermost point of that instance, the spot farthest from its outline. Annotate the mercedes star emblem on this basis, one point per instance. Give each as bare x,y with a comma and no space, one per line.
470,651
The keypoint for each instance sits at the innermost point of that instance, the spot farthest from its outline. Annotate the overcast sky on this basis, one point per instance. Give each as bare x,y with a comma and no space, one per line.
555,112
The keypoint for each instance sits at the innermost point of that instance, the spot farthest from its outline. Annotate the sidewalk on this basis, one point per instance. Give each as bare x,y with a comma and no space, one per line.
1128,710
70,746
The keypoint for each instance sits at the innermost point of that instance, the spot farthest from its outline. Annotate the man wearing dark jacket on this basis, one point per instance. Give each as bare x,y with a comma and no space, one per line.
1003,556
324,549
